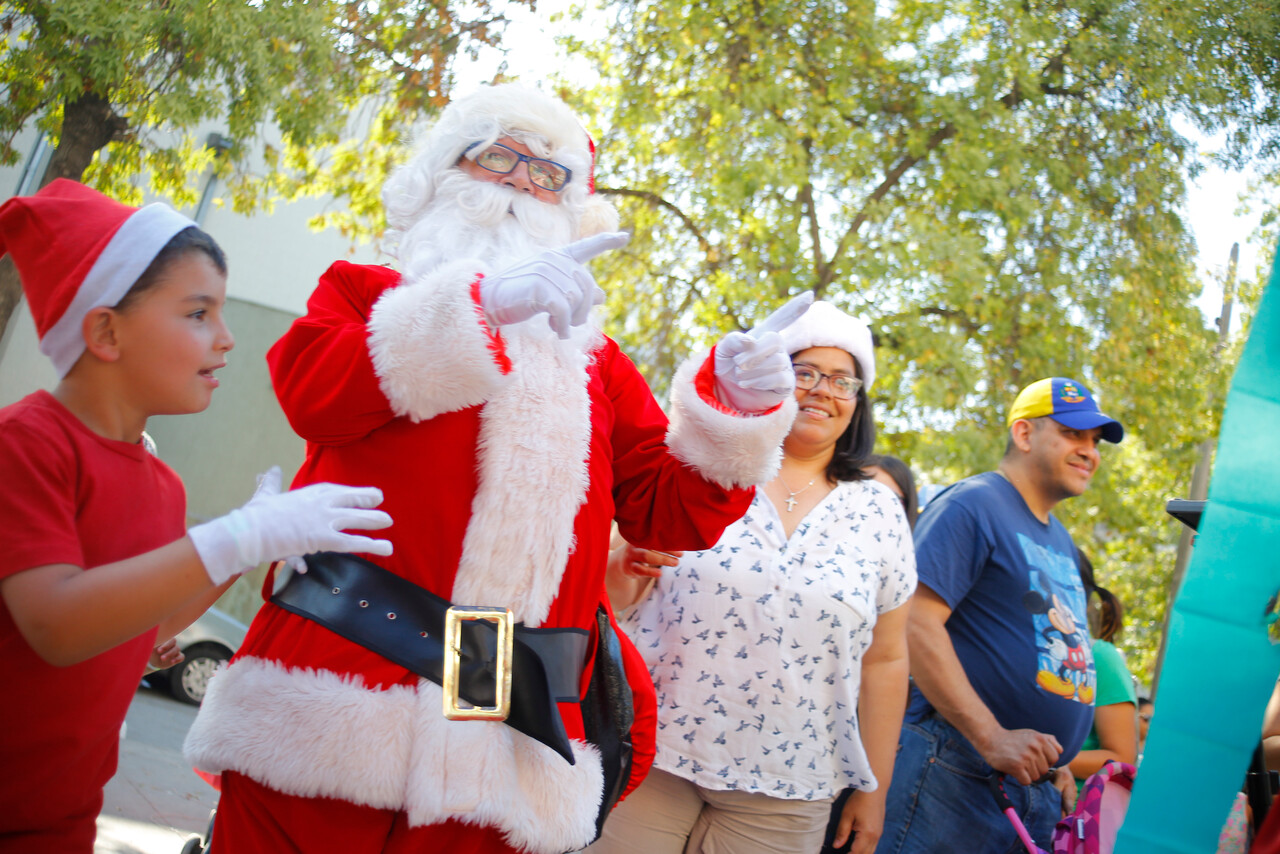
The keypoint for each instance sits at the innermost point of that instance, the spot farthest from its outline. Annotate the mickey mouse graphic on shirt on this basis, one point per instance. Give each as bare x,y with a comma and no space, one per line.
1065,656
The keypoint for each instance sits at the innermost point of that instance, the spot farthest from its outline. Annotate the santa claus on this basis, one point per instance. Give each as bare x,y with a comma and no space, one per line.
506,433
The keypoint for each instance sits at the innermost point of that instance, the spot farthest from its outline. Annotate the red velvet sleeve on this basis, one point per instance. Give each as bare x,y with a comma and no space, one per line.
659,501
321,369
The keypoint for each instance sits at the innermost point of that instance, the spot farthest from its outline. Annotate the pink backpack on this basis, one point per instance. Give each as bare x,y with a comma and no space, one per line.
1099,812
1092,826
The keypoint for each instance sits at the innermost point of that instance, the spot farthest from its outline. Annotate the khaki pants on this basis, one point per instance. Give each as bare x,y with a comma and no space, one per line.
670,815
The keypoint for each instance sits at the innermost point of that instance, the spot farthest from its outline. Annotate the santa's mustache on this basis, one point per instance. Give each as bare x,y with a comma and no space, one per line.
487,204
466,218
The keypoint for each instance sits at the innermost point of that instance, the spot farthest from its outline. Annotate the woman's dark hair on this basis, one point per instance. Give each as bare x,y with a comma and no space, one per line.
1110,611
901,474
190,239
855,443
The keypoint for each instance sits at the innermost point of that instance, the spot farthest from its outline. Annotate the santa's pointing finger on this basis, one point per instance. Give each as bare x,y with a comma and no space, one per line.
584,250
553,282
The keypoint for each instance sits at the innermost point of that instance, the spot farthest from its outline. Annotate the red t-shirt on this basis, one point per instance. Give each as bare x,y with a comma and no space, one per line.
68,495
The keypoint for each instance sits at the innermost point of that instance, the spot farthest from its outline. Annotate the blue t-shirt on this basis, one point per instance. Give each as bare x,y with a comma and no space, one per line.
1018,608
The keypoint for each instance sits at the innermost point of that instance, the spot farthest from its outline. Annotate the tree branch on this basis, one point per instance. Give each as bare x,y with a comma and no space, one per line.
1011,100
821,267
657,201
890,180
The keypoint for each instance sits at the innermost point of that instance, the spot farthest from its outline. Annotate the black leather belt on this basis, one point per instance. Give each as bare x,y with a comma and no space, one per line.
404,623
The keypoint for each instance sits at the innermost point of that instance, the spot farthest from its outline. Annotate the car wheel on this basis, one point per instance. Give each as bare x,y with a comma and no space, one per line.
189,680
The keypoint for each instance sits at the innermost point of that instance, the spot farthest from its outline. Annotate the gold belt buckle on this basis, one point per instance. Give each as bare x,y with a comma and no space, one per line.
453,620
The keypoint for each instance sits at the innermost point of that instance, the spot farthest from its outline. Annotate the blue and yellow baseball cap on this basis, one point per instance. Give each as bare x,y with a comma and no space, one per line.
1067,402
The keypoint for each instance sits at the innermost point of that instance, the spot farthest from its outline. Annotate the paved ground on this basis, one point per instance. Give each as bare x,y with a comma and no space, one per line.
155,803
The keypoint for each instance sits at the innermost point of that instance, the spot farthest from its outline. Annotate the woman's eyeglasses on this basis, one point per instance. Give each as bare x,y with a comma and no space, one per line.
500,160
843,386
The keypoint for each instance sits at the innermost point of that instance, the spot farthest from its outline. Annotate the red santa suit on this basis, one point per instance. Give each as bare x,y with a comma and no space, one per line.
503,459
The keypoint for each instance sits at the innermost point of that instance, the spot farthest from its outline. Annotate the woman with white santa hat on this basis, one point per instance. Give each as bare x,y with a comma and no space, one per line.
779,655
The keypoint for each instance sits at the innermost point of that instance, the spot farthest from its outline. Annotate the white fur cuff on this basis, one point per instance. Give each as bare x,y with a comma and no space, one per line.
430,349
730,450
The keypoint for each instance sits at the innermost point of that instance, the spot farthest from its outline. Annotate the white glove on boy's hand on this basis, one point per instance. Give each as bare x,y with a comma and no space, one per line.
753,369
555,282
278,525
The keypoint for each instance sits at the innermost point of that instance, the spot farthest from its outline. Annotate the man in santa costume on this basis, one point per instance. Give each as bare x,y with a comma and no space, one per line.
506,433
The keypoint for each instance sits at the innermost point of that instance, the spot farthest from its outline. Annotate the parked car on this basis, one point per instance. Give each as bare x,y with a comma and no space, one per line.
206,644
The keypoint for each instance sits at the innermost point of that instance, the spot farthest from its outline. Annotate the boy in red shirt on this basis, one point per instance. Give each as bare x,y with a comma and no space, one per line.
97,564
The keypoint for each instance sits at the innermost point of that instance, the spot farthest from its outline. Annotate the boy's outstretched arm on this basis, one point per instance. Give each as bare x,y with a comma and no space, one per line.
68,614
189,612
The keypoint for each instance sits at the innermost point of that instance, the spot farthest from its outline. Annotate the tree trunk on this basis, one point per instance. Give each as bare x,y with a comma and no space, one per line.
10,293
88,124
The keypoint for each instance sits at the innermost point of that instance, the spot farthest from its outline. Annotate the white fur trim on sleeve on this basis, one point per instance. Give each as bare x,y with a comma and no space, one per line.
430,348
731,450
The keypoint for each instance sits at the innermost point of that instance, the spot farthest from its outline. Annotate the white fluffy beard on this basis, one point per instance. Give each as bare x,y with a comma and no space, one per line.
467,218
498,226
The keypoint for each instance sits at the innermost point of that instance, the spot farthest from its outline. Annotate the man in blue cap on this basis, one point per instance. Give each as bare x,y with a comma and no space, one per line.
1003,677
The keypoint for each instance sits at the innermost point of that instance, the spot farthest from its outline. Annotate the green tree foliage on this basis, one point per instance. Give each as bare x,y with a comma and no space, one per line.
1266,195
994,184
120,87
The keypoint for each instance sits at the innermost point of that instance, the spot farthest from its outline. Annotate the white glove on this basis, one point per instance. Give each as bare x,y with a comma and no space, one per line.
555,282
276,525
753,369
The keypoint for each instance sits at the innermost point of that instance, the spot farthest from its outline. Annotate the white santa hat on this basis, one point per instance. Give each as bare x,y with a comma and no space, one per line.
77,250
824,325
544,123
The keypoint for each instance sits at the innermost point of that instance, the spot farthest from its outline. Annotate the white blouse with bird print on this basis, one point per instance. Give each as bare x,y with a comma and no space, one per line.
756,644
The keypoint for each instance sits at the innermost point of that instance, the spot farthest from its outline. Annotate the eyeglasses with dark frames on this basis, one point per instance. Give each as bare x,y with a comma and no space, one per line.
500,160
843,386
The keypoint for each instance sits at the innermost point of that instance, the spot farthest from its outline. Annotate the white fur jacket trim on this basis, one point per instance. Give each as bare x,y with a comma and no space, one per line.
535,439
315,734
731,450
431,353
429,346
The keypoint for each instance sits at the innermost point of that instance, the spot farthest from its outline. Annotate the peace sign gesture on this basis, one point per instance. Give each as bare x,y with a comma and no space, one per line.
753,369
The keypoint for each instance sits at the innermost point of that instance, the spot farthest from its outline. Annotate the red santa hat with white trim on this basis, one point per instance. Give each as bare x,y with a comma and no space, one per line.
78,250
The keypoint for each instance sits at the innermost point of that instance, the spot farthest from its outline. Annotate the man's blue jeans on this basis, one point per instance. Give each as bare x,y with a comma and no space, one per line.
940,801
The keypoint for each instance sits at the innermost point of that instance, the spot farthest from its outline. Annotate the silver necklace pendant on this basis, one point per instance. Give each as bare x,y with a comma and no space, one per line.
792,493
